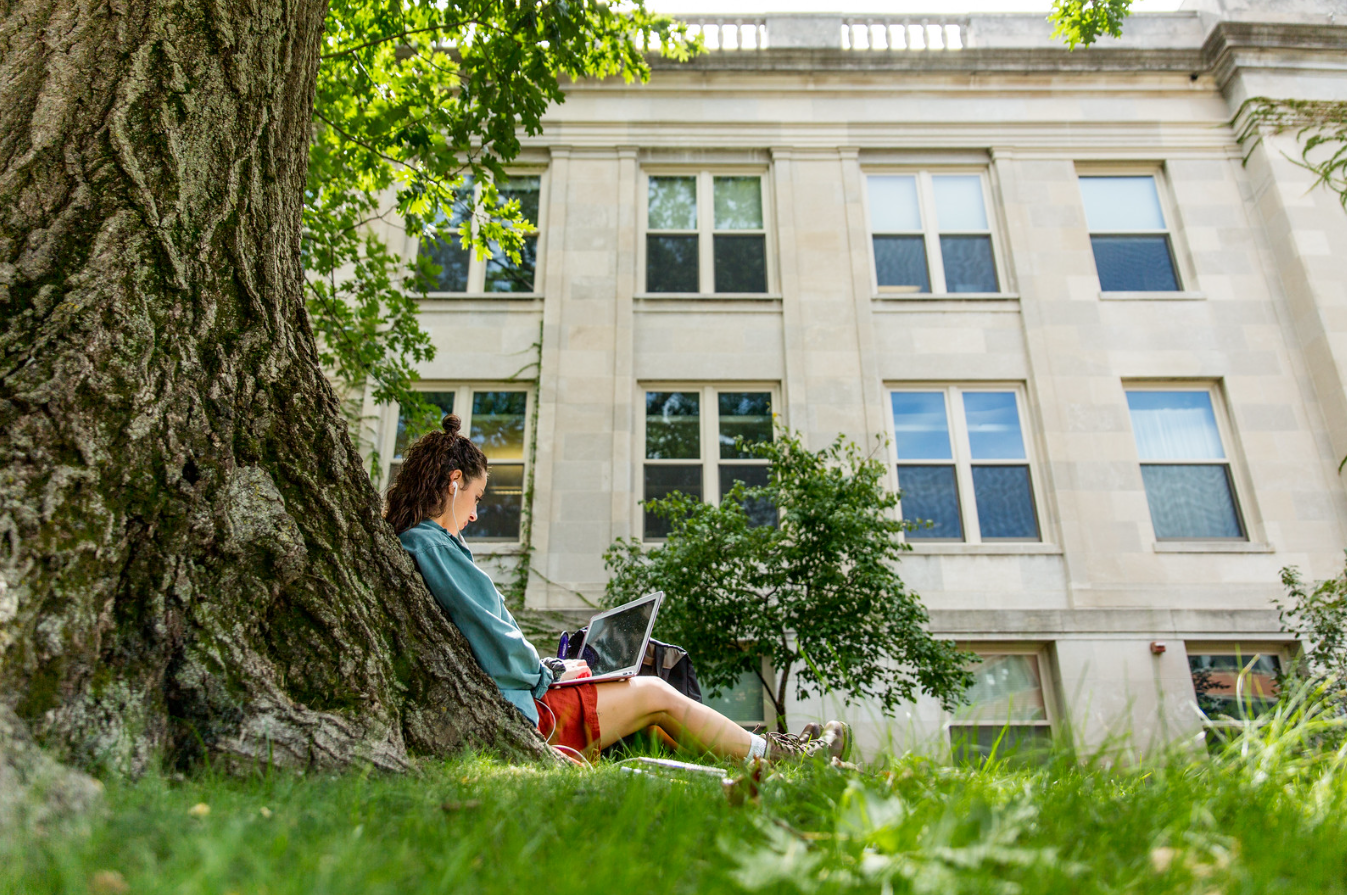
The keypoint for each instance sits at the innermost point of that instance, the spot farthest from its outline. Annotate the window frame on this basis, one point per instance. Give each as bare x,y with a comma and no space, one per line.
1241,490
1042,653
963,462
463,392
706,232
476,286
931,232
1184,275
709,440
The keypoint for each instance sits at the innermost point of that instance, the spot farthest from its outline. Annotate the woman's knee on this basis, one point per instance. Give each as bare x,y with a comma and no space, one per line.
655,694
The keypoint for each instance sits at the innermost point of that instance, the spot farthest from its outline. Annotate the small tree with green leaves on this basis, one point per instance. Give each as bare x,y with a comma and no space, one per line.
816,597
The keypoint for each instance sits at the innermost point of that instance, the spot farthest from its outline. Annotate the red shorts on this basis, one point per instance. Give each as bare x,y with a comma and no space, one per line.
576,710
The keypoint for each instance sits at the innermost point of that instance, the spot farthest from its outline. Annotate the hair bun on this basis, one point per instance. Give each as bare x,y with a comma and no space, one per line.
451,423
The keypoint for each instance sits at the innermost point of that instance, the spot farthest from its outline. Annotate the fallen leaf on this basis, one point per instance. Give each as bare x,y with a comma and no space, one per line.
108,882
1161,858
264,811
200,809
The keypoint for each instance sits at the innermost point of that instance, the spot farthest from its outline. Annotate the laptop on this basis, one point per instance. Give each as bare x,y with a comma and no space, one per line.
616,640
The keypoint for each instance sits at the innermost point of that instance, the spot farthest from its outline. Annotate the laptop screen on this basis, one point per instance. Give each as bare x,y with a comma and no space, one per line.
617,640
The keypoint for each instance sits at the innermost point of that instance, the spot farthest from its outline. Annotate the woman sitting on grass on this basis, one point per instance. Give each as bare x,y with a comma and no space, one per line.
436,494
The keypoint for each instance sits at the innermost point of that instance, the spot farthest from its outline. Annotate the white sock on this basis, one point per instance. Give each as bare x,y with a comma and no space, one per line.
758,748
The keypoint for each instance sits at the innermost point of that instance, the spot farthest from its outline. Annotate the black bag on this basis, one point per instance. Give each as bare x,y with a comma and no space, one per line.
664,660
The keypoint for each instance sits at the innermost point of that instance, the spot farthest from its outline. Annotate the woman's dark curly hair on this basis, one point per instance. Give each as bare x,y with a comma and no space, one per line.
421,490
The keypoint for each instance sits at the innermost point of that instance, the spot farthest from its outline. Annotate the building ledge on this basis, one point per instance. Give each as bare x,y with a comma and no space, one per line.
1152,296
1009,548
1212,547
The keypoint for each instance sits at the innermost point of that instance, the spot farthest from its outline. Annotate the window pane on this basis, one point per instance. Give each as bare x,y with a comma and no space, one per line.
929,493
499,512
900,261
920,427
443,400
671,264
504,275
498,424
673,203
1005,688
968,264
1174,425
747,414
661,481
525,191
448,251
761,511
741,263
1134,264
893,204
1005,502
452,258
958,202
1191,501
1235,686
673,426
1020,743
993,426
1114,204
738,203
742,702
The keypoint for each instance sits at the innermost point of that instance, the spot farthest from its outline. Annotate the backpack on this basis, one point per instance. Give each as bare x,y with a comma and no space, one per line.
664,660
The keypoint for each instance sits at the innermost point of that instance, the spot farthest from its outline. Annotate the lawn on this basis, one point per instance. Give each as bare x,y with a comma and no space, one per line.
1268,815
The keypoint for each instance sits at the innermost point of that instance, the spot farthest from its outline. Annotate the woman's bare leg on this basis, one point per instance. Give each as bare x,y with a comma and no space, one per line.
634,704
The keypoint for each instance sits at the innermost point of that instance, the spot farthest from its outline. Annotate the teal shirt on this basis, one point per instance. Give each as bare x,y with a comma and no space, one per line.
472,601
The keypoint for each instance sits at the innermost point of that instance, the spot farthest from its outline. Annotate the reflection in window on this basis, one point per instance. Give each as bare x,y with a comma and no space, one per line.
990,460
1184,466
1132,249
739,244
943,214
680,234
671,242
461,270
448,251
503,274
1005,709
1234,686
742,702
679,423
497,427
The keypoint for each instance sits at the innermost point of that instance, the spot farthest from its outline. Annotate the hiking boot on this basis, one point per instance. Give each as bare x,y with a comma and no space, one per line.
833,742
811,731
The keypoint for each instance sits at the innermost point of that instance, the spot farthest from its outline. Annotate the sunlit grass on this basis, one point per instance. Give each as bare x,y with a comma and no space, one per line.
1268,814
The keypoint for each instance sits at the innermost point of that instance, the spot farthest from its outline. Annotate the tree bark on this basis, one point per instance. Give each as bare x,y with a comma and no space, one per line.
192,558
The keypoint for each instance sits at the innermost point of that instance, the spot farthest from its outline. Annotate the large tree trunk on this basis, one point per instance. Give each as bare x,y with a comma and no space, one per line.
192,559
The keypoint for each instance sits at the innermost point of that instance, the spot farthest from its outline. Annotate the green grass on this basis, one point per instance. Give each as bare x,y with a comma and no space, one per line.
1269,815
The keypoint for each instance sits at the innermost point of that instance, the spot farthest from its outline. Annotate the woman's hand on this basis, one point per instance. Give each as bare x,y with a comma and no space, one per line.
575,668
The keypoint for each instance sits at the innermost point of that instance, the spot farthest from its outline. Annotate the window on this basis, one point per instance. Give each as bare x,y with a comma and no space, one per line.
1006,708
1233,685
496,420
1132,249
705,233
930,233
690,447
962,465
1183,465
462,271
744,702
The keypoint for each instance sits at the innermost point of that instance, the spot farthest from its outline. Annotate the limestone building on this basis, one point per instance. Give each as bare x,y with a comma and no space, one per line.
1109,354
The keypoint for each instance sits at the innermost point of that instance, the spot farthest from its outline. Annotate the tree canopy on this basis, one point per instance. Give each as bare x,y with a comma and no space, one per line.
419,109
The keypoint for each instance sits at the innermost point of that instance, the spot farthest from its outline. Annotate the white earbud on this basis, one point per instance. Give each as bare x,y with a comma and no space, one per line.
455,484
